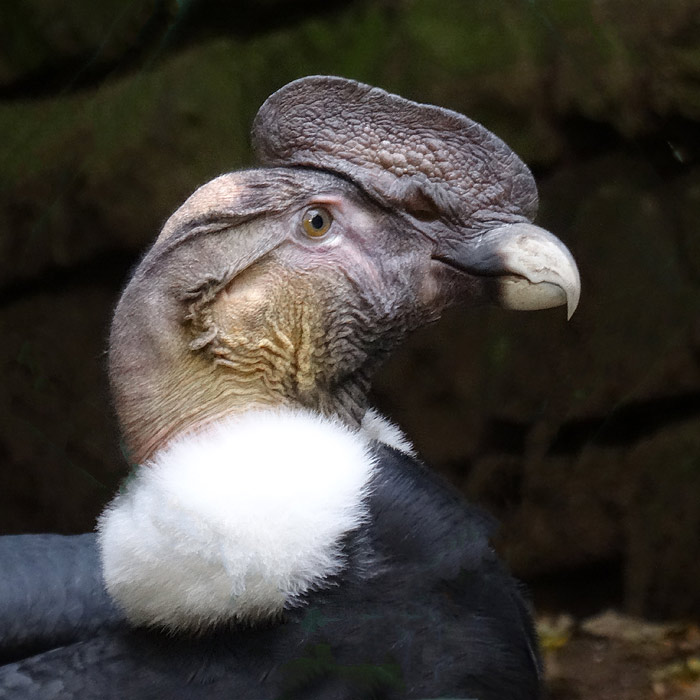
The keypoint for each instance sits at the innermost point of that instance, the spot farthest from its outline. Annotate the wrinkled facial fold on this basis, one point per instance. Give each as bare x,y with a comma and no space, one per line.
335,294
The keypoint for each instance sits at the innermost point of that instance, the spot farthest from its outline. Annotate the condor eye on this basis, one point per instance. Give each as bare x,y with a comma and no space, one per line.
316,222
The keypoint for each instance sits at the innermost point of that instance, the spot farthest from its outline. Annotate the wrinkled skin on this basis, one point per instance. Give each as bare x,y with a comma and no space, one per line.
236,305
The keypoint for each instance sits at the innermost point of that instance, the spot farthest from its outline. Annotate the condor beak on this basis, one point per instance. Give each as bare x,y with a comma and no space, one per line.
522,265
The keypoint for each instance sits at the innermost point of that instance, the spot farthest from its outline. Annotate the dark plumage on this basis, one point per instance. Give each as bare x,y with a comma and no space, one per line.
279,540
441,618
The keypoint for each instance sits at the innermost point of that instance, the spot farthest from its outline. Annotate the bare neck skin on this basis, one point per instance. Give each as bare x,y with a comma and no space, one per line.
215,364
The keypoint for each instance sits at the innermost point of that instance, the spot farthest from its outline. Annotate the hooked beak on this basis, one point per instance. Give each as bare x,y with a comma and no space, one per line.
522,265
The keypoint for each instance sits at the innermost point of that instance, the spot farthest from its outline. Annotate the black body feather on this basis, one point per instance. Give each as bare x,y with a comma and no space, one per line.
423,609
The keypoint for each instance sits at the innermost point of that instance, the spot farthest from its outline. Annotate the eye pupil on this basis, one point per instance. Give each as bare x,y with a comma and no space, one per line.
316,222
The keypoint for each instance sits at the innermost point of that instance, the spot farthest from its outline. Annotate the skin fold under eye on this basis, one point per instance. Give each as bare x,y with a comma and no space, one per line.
316,221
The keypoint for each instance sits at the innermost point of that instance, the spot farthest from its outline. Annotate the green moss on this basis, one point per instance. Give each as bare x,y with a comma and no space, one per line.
461,37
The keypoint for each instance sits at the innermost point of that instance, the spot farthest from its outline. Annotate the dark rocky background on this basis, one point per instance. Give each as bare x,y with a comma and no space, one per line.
583,437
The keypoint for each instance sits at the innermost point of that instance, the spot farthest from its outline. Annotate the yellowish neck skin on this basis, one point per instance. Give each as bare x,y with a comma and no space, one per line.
270,339
227,378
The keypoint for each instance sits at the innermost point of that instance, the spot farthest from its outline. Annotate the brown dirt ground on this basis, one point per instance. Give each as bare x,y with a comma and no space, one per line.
621,659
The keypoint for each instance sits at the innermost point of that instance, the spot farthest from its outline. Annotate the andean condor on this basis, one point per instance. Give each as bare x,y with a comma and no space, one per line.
279,538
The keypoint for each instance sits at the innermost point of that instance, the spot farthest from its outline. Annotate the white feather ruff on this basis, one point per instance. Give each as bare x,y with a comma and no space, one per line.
236,521
376,427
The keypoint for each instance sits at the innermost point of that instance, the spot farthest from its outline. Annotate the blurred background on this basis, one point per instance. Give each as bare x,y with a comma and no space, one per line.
582,437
